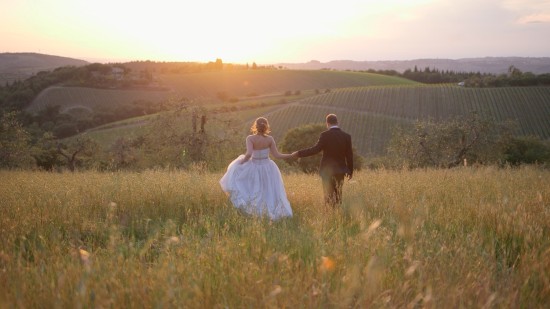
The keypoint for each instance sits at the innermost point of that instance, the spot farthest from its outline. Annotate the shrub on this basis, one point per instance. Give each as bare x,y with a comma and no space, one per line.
521,150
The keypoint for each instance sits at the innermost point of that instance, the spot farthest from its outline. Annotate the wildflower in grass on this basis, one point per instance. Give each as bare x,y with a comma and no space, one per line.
277,289
84,256
172,240
327,264
315,291
410,271
372,228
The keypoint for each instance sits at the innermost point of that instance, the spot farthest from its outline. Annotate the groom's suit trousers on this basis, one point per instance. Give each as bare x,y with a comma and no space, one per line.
332,189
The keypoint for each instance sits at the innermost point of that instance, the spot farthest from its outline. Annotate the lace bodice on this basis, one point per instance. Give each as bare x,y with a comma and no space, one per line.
260,154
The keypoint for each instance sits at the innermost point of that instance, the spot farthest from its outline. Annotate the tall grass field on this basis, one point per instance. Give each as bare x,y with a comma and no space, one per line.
470,237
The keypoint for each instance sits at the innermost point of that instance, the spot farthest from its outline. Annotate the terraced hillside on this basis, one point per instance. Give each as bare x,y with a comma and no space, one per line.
370,113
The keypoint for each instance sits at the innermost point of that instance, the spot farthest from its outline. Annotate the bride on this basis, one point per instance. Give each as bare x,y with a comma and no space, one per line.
253,181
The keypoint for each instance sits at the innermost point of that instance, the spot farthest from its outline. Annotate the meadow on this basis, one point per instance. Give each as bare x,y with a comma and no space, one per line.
467,237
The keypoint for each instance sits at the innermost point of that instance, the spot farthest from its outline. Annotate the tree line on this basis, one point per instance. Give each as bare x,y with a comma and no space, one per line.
513,78
183,139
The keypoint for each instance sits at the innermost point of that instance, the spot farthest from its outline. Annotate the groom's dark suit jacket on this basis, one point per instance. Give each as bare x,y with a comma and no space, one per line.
337,152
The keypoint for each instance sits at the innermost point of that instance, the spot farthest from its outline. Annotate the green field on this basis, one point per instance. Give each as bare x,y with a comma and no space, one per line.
462,238
243,83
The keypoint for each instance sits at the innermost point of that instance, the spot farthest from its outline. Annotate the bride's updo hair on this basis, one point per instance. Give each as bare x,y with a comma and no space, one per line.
261,127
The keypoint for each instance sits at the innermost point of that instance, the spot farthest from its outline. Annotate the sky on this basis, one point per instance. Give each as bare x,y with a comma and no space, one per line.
270,32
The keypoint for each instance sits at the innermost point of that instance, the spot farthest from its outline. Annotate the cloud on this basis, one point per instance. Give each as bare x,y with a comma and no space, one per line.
535,19
529,11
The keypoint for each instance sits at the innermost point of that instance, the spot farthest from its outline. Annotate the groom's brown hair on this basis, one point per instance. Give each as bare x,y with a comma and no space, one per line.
332,119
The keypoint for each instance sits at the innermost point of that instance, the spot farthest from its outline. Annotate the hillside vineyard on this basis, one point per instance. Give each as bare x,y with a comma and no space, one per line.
370,113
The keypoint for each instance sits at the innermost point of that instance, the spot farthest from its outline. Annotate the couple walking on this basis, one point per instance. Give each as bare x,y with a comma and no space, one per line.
254,183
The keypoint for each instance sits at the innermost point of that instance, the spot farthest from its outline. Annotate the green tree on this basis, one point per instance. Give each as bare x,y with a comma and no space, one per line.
122,153
304,137
15,151
218,64
46,153
78,151
174,140
527,150
449,143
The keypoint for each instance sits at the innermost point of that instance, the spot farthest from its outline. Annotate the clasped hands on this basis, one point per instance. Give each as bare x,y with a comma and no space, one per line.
293,156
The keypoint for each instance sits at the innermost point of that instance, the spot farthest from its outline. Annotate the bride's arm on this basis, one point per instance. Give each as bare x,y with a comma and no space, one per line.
249,148
275,152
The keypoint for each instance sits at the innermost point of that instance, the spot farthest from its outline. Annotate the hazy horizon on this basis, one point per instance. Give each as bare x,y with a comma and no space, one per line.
246,31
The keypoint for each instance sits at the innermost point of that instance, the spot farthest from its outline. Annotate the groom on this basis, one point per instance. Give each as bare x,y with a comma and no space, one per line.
337,160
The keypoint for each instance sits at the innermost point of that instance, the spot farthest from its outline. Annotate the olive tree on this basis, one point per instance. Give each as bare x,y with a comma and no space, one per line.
449,143
78,151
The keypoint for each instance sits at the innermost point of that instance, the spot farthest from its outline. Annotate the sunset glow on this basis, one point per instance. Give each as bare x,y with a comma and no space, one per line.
280,31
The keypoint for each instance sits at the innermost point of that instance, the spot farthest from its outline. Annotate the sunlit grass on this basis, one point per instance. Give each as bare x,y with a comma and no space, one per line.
435,238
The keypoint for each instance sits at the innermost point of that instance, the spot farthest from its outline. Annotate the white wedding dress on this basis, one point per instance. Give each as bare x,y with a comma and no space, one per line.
256,186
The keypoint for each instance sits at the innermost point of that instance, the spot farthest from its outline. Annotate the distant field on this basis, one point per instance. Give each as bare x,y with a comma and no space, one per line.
91,98
206,86
243,83
370,113
529,105
10,77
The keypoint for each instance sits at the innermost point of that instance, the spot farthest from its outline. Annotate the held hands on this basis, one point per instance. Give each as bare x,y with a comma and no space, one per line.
293,155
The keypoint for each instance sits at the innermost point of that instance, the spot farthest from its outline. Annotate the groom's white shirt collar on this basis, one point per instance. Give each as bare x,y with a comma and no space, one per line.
332,127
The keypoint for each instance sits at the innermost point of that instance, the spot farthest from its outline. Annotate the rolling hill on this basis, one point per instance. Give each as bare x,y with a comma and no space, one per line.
92,99
369,105
258,82
493,65
19,66
207,85
370,113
